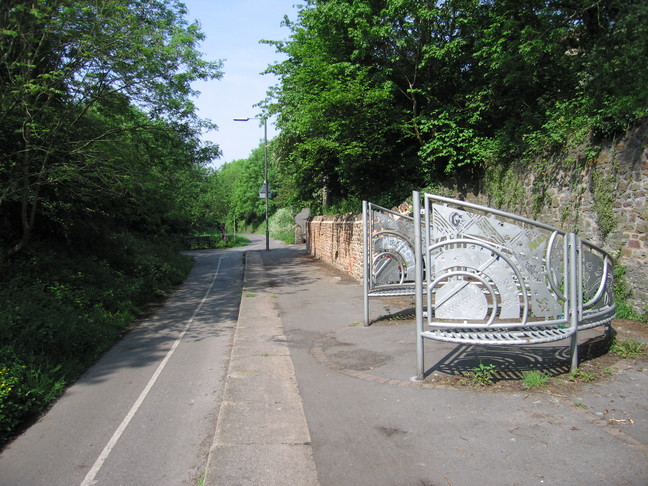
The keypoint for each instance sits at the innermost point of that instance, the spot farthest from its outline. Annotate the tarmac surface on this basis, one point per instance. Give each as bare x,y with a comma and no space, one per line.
312,396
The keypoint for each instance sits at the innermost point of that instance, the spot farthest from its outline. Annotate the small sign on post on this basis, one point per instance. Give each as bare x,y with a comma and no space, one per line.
265,189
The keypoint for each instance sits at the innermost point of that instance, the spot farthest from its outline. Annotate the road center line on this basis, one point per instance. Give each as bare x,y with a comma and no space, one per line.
90,477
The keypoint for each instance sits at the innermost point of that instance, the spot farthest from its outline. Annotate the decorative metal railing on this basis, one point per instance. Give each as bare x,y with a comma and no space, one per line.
389,260
493,277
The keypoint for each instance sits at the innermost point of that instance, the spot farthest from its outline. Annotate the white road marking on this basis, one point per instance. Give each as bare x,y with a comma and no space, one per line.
90,477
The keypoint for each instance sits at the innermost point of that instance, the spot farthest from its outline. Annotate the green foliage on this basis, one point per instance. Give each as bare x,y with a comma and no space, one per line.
97,114
582,376
603,192
282,226
534,378
503,185
629,348
353,205
237,185
377,98
25,391
61,309
482,375
11,409
101,160
215,241
626,311
621,293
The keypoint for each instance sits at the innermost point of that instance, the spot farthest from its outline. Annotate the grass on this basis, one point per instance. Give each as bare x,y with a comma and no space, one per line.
201,479
628,348
534,379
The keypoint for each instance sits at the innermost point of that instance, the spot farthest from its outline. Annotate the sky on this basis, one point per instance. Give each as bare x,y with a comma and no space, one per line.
233,29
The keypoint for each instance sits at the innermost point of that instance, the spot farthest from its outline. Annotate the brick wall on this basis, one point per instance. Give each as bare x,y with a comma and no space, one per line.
337,240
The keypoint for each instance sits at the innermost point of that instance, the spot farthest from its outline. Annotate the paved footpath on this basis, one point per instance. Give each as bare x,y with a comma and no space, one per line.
261,433
314,397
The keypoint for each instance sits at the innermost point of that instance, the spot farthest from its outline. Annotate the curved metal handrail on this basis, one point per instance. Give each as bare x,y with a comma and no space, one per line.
483,281
521,282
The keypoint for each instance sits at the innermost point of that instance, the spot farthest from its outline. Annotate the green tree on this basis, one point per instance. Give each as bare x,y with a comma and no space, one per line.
378,96
337,108
609,38
246,205
64,66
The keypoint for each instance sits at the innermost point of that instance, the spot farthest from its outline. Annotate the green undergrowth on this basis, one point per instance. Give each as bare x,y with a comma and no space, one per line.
281,226
622,292
61,309
215,241
629,348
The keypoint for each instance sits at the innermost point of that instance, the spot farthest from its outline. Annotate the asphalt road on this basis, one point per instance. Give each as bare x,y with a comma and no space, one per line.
145,413
371,425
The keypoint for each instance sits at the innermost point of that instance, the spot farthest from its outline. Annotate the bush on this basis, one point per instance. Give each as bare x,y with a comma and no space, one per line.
25,391
214,241
10,407
60,310
282,226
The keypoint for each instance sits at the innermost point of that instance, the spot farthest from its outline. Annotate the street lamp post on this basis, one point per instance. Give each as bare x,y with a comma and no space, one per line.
265,188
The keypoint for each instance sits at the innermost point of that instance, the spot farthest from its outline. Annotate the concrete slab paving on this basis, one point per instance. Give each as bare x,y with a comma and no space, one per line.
372,425
261,436
262,464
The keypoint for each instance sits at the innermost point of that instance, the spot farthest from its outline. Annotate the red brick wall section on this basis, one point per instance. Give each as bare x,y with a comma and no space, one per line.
337,240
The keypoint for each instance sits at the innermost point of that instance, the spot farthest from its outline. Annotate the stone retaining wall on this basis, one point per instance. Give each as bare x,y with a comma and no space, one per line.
603,199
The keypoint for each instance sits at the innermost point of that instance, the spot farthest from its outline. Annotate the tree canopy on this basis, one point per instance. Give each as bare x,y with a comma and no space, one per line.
98,123
377,97
101,166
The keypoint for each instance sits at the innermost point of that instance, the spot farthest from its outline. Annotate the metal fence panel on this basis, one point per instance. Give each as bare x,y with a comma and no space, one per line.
493,277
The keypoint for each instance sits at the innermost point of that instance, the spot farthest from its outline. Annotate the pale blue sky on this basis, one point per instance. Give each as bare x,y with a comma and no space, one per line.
233,29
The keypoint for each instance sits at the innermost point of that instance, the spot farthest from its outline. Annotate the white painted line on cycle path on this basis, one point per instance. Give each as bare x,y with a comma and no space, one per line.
90,477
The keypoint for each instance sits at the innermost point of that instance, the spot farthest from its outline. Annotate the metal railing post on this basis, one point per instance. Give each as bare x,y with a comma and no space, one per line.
575,284
365,262
418,286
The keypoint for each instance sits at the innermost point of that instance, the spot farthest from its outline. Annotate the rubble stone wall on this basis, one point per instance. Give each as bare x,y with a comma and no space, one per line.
601,197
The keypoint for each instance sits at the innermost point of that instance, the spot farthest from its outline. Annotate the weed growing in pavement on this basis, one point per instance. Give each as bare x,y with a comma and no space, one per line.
628,348
582,376
482,375
534,379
